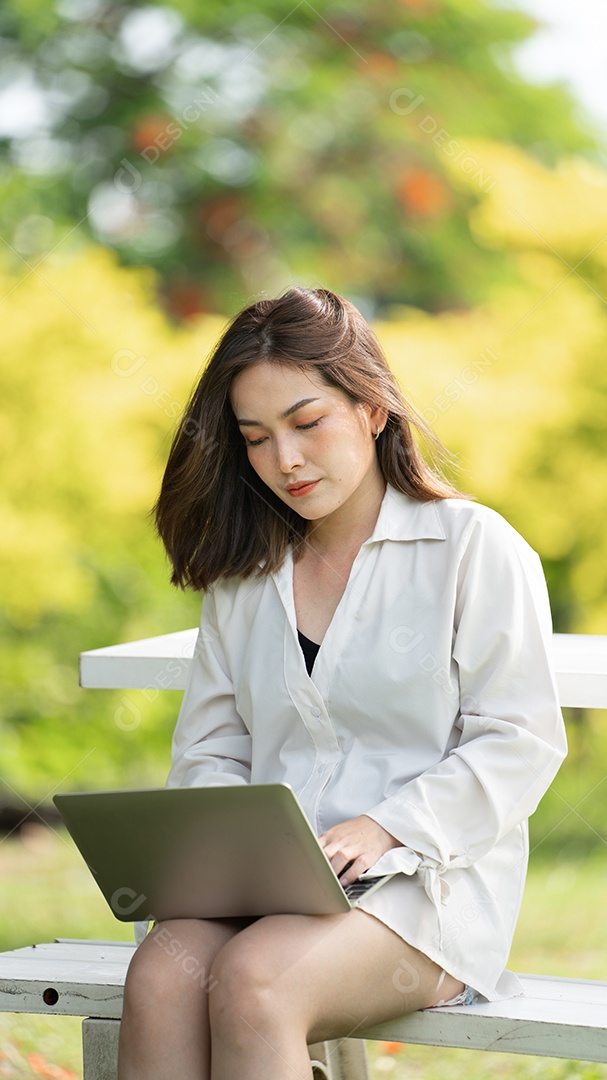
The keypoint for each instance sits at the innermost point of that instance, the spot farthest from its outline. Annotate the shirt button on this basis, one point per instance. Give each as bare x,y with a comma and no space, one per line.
316,712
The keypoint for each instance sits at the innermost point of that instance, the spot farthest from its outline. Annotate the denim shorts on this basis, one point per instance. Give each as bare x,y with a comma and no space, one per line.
467,996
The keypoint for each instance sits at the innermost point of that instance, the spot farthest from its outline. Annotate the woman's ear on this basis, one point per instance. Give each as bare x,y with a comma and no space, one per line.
378,417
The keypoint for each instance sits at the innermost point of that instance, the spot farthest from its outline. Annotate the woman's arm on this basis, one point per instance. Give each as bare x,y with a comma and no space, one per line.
512,732
211,744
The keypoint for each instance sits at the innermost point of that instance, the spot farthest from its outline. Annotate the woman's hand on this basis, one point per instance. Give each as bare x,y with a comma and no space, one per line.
359,841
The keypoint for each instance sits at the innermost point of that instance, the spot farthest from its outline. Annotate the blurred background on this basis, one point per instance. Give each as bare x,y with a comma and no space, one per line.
443,163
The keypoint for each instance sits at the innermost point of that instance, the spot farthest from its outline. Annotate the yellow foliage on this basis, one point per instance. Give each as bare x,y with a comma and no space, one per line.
528,205
92,378
30,543
487,380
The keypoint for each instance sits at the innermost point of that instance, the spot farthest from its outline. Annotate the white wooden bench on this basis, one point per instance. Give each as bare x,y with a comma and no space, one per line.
556,1018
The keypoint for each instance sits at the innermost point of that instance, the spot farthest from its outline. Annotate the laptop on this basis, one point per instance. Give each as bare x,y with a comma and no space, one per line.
207,852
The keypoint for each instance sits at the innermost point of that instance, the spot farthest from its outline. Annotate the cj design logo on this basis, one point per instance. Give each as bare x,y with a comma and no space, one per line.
405,978
125,901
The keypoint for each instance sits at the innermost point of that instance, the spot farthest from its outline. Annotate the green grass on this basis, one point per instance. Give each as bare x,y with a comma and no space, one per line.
571,820
47,892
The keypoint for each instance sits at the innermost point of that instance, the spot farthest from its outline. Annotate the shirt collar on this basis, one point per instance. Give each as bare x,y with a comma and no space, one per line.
404,518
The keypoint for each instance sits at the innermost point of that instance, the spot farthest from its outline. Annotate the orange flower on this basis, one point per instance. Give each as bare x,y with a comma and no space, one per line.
150,128
185,299
423,193
220,214
49,1072
423,7
380,65
391,1047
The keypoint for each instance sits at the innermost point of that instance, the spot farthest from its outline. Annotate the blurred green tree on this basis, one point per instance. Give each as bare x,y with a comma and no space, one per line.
234,150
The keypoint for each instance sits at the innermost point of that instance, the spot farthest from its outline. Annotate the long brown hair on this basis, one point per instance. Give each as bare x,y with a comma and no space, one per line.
215,516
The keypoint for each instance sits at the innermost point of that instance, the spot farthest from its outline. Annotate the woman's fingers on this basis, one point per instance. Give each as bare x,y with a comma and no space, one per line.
353,870
354,845
342,861
352,838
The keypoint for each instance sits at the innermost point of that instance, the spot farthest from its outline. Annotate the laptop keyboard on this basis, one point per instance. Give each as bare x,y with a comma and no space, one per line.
358,888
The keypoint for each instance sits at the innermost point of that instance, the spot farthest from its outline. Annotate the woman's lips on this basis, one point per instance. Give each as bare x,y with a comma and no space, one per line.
302,489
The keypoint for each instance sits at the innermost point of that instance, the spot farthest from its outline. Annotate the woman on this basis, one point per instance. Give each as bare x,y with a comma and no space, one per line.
376,640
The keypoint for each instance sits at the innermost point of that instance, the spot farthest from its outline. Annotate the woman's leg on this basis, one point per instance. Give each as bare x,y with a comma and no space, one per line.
290,980
164,1031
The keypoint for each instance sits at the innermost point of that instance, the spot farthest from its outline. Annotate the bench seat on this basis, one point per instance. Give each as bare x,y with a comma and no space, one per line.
565,1018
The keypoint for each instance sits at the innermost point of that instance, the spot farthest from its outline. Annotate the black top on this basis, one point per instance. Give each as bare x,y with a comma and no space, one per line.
309,649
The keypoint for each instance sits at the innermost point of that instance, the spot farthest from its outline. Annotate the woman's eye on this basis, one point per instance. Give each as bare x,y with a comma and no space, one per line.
300,427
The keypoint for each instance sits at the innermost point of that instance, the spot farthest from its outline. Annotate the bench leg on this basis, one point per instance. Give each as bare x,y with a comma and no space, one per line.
100,1049
340,1059
344,1059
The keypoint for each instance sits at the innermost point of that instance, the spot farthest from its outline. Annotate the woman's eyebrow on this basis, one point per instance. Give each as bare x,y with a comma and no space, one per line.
283,416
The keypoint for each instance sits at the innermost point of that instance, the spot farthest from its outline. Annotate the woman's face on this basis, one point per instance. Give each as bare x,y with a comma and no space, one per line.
306,440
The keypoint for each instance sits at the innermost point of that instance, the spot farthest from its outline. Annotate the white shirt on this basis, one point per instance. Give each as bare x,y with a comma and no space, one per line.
432,707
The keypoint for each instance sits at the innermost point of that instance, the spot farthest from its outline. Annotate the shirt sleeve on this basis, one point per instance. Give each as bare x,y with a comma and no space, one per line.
211,744
512,736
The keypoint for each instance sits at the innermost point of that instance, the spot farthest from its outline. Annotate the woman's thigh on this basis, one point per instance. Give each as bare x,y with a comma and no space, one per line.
334,973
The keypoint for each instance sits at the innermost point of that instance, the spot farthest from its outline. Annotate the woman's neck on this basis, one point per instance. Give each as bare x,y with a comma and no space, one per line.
340,534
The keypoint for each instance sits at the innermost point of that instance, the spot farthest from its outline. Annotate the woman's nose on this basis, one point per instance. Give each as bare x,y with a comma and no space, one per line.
289,455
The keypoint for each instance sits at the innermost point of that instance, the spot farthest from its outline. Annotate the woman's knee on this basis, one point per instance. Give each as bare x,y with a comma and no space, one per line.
247,993
173,965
